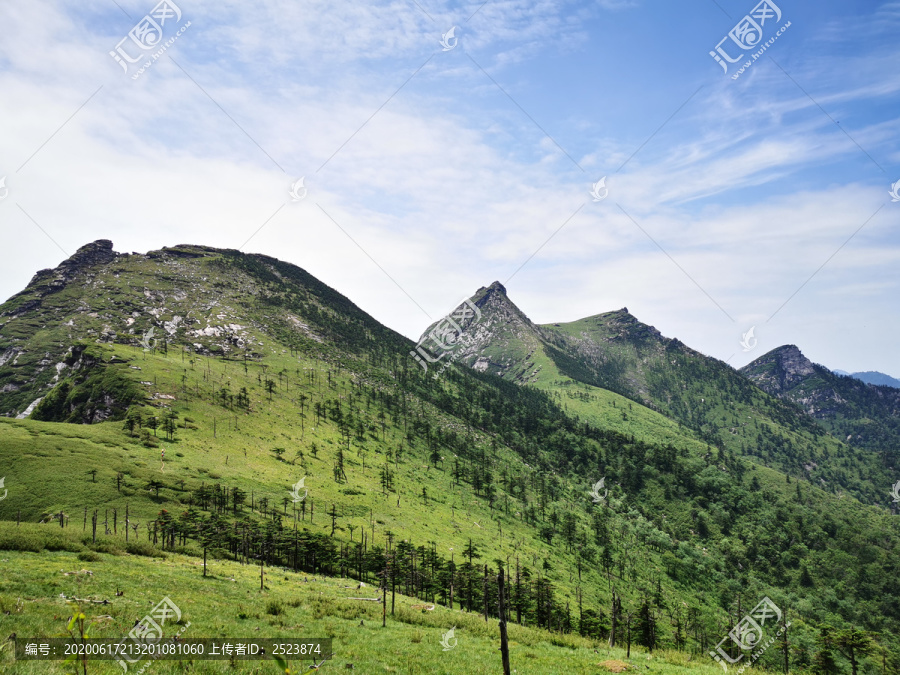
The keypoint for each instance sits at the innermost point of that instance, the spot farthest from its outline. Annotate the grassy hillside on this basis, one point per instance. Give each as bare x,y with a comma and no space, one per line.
643,542
268,378
228,602
710,401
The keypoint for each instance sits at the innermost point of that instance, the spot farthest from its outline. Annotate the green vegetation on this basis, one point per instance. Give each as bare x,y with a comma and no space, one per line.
862,415
229,603
263,376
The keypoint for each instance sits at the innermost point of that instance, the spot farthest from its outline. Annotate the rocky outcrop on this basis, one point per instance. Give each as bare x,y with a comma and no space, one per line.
96,253
860,413
498,339
44,282
781,370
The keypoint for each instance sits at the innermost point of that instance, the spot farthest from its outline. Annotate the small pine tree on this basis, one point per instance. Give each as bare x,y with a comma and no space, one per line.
823,661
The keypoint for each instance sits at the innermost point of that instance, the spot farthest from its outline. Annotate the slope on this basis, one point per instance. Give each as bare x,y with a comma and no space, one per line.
864,415
436,478
698,398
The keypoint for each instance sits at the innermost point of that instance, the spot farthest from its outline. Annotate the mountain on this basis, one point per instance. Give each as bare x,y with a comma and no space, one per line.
863,415
216,302
876,378
245,415
871,377
585,362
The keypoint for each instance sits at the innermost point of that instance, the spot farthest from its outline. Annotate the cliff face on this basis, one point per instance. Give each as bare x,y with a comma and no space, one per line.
91,255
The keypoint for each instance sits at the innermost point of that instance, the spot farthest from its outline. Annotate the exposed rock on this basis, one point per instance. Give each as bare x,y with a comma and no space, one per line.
49,281
24,414
842,402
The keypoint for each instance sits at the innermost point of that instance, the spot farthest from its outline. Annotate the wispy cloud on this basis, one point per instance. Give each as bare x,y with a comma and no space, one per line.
444,181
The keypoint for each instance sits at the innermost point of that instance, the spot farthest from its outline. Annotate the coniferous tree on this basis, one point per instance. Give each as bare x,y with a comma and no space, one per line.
853,645
824,662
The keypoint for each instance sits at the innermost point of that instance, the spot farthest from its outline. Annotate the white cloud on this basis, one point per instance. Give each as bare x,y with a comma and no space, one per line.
449,186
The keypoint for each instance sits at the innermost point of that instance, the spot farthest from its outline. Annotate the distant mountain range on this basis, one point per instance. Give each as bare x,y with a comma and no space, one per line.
772,410
872,377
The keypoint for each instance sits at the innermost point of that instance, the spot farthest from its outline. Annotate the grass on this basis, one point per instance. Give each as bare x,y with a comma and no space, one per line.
229,604
50,468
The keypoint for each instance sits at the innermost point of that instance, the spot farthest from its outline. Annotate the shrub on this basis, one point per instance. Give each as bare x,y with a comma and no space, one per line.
102,546
89,556
274,607
21,541
190,548
36,538
143,548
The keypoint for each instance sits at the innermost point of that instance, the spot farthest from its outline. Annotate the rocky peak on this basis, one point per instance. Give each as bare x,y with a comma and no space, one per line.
495,287
794,366
780,370
493,297
98,252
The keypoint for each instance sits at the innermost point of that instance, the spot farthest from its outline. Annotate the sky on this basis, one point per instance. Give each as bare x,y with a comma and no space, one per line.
589,155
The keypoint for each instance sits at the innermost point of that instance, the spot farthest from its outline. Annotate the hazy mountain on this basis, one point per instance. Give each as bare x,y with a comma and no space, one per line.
876,378
871,377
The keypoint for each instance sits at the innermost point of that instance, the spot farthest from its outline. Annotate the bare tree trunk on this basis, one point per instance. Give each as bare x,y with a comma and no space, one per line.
614,619
485,593
451,579
785,645
628,626
384,596
504,642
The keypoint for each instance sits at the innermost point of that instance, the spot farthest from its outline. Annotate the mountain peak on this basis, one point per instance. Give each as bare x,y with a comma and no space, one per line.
99,252
780,370
95,253
793,361
495,287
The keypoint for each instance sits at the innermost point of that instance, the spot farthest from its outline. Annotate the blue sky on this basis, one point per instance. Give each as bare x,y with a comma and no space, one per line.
761,201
